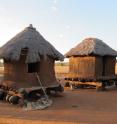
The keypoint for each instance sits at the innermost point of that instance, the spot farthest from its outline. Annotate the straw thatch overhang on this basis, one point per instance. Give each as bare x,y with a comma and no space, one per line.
91,46
32,41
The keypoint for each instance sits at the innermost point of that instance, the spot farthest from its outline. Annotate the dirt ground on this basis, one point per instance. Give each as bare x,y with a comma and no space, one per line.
79,106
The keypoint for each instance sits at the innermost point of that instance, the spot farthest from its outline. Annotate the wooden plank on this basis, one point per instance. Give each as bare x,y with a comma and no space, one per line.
99,84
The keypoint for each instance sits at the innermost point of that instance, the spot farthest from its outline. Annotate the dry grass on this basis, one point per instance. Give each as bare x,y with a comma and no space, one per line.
61,71
1,70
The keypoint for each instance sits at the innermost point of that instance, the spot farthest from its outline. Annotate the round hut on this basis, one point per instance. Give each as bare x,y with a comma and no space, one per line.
92,60
26,54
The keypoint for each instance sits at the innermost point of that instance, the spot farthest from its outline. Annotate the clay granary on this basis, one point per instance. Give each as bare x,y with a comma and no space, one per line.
26,54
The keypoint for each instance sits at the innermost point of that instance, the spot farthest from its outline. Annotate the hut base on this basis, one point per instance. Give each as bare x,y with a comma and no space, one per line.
99,84
14,96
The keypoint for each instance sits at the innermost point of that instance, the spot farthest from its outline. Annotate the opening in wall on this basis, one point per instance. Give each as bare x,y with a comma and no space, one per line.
33,67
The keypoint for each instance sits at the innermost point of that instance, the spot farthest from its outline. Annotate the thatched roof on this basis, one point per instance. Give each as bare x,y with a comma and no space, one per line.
91,46
35,43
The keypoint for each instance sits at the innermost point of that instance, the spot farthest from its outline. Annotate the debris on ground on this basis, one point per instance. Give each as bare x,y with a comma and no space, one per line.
40,104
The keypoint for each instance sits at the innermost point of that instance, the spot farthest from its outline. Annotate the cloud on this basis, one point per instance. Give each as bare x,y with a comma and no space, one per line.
68,26
55,1
60,35
55,5
54,8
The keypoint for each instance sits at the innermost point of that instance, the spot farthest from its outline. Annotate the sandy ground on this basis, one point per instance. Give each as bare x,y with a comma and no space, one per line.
79,106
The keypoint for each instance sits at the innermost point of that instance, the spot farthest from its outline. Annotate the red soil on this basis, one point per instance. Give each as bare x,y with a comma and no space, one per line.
83,106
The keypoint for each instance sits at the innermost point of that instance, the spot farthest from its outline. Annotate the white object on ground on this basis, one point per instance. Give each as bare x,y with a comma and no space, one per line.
40,104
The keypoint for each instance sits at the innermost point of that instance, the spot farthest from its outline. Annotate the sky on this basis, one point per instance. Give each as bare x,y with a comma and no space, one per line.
64,23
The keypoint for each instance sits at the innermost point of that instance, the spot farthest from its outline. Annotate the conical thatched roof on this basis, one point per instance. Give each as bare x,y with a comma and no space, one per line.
35,43
91,46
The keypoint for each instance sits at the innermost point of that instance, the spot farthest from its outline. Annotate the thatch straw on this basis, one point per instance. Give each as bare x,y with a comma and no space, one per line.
35,43
91,46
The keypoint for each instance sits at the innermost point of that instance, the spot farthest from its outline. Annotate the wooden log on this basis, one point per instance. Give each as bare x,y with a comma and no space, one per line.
86,83
14,99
